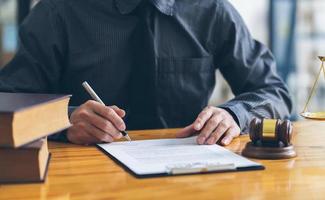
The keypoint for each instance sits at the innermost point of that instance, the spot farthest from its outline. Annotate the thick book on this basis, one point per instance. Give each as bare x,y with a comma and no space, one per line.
26,164
25,118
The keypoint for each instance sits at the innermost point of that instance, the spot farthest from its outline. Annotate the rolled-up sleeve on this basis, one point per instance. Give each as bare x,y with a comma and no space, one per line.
250,70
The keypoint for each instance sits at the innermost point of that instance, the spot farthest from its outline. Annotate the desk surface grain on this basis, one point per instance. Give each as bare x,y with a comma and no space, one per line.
79,172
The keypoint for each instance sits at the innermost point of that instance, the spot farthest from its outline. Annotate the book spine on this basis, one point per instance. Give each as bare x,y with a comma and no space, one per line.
6,134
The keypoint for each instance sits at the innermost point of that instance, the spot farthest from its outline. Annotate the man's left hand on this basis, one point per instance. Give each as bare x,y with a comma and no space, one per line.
212,124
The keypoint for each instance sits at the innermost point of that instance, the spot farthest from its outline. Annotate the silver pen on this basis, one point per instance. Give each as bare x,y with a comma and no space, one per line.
93,94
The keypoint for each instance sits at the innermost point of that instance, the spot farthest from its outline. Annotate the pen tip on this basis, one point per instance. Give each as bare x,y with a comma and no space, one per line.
128,138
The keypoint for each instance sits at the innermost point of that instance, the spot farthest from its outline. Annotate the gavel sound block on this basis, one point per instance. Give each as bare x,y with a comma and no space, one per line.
270,139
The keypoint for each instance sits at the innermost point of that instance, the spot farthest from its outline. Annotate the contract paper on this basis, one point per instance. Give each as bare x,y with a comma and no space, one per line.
158,156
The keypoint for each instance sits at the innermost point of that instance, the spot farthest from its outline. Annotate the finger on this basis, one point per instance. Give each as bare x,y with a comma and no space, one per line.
208,129
112,131
71,136
203,117
119,111
103,124
80,136
109,129
230,135
86,138
185,132
110,115
221,129
83,132
98,133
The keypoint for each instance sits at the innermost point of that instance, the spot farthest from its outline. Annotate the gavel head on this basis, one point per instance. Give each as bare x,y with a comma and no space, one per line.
270,131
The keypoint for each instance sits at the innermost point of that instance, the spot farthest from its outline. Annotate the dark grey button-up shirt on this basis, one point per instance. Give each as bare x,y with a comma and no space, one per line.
154,58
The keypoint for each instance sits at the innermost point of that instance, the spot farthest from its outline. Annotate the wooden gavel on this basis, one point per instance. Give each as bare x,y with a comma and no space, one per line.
270,131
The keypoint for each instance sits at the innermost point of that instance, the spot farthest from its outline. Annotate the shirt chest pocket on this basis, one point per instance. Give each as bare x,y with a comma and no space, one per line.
185,85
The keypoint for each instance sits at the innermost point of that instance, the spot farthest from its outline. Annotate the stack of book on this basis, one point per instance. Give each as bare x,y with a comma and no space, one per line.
25,122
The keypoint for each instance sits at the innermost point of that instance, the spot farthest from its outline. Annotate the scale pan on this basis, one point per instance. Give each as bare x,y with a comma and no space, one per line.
314,115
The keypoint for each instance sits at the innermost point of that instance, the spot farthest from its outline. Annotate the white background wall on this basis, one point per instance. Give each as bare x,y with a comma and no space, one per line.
7,11
255,15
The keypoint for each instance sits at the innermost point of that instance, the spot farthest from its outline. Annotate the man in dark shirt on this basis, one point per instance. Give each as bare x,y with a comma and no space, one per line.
156,59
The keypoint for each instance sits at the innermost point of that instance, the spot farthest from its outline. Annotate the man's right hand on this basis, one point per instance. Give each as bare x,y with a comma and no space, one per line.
94,123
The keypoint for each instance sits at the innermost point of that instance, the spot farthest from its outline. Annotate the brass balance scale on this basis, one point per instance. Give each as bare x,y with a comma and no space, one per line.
315,115
271,138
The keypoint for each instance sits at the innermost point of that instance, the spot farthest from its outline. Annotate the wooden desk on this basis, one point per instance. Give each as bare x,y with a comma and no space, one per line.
78,172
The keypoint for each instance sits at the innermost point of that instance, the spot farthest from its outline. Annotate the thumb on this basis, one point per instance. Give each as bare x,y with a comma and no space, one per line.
186,132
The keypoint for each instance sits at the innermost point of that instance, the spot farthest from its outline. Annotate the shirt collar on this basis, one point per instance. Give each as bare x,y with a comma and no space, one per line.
127,6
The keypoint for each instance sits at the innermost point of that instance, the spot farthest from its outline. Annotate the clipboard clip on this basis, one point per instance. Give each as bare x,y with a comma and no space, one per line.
200,168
